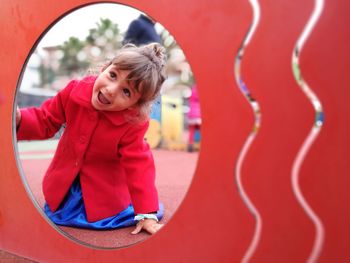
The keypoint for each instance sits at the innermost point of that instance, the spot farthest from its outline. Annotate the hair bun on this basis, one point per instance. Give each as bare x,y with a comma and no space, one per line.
158,50
157,53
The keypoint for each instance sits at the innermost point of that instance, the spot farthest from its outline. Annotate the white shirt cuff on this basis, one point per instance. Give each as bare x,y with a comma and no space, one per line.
139,217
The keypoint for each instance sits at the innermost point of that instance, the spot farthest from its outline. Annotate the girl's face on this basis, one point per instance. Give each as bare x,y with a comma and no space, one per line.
112,92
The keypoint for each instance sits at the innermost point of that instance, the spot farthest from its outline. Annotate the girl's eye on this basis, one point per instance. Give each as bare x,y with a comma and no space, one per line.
127,92
112,74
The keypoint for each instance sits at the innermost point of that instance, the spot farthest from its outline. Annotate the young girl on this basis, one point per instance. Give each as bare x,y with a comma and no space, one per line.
102,173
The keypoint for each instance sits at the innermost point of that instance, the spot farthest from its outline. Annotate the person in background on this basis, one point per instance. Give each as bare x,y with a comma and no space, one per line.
194,118
102,175
141,31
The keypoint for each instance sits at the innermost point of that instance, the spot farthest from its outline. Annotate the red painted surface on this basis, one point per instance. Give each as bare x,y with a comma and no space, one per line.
325,173
287,116
213,224
209,40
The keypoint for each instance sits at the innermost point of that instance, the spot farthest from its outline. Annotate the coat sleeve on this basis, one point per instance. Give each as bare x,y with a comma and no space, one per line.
137,160
43,122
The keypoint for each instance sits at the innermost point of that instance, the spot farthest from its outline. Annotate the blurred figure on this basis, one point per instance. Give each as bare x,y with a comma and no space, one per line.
194,118
141,31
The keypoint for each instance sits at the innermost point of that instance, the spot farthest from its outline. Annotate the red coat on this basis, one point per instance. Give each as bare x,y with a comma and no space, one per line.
114,162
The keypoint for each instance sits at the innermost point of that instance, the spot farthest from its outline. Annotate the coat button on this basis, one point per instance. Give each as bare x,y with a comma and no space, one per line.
76,163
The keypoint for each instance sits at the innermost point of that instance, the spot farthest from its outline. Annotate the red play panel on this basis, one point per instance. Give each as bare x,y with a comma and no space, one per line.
213,224
212,188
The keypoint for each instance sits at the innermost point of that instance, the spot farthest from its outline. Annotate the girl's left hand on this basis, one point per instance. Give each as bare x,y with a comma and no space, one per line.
150,225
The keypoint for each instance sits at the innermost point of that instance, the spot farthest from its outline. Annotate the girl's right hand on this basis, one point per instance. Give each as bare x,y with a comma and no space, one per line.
18,117
149,225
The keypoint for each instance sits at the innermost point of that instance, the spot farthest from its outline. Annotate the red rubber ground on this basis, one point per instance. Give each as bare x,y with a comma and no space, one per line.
174,173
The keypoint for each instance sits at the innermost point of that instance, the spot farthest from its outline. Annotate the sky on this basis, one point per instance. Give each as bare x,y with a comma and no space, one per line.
79,22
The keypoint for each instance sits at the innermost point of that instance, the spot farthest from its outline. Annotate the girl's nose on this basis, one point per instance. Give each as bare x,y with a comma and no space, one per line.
112,90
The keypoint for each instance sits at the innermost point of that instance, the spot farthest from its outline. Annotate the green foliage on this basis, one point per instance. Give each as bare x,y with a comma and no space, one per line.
79,55
46,75
71,60
107,30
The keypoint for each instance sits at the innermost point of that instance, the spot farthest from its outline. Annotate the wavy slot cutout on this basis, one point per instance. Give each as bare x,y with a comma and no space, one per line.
257,115
319,120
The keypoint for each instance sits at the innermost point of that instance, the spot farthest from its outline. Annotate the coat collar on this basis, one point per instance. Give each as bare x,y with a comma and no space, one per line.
81,94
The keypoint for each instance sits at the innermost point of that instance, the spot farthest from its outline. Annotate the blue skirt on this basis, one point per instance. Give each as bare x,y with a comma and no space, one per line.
72,213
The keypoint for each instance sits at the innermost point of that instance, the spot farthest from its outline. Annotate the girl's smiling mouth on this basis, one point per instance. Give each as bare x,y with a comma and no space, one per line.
102,99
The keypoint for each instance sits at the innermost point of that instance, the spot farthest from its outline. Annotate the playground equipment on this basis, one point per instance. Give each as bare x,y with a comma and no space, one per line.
278,196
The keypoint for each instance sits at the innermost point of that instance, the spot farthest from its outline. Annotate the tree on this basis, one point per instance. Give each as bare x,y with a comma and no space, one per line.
103,40
73,59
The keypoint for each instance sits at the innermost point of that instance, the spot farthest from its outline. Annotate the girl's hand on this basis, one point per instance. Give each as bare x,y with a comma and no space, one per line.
18,116
150,225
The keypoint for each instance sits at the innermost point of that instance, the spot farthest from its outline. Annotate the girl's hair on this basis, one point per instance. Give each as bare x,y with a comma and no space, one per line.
146,66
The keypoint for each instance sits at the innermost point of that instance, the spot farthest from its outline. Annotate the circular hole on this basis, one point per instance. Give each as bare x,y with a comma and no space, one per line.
77,45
